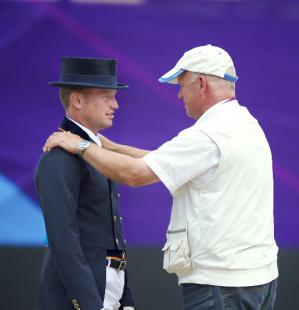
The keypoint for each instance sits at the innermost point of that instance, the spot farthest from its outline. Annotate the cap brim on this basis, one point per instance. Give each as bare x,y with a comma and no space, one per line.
86,85
171,76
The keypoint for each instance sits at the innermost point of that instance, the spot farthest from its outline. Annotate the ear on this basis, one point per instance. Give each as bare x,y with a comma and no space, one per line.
203,84
75,100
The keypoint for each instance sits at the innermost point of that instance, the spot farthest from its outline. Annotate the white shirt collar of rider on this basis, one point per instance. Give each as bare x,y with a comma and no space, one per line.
95,138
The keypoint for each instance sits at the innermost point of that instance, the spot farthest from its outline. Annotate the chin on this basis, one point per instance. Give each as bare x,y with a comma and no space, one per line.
107,124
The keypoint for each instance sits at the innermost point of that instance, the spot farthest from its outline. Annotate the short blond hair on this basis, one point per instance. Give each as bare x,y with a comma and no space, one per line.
65,93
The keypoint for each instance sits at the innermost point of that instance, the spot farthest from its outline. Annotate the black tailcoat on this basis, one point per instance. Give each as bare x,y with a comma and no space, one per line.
80,209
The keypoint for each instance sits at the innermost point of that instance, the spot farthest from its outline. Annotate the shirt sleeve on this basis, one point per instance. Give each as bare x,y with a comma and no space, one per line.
192,154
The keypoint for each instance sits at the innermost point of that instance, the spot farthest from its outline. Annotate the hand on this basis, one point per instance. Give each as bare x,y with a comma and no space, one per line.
106,143
65,140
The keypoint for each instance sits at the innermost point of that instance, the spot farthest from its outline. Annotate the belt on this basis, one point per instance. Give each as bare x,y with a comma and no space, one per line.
117,253
116,263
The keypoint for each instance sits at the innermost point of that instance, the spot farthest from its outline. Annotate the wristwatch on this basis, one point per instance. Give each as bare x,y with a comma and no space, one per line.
82,146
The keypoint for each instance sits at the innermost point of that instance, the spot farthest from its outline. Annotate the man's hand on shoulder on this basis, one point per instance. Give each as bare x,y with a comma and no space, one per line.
65,140
107,144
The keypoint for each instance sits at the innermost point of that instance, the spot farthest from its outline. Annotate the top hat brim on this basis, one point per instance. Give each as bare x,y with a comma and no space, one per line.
87,85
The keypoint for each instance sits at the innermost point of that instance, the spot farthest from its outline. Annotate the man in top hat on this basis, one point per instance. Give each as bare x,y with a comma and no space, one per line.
220,240
85,262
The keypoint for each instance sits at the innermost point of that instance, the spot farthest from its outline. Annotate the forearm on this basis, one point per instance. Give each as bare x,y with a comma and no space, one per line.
126,150
119,166
116,166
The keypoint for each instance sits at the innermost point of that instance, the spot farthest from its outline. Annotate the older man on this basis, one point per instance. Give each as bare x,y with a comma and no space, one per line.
85,262
220,240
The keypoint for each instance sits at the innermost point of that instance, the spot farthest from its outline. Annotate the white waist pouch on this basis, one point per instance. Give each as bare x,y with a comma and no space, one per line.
176,252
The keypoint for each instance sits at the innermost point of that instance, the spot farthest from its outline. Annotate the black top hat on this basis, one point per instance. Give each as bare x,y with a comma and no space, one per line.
88,72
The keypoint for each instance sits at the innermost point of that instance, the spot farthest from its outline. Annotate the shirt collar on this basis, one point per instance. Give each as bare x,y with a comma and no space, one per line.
214,109
92,136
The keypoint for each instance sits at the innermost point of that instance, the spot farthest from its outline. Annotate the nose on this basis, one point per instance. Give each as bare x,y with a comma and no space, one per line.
114,104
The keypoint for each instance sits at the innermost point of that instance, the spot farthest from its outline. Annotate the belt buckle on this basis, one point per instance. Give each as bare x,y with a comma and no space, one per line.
122,265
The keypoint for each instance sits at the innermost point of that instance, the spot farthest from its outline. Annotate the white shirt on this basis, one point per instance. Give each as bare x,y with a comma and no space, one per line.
222,209
92,136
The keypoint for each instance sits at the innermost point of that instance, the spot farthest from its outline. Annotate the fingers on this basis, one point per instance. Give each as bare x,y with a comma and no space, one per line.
46,147
61,133
65,140
52,141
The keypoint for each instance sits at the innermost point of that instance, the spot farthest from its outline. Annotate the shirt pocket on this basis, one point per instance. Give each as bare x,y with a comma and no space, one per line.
176,252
